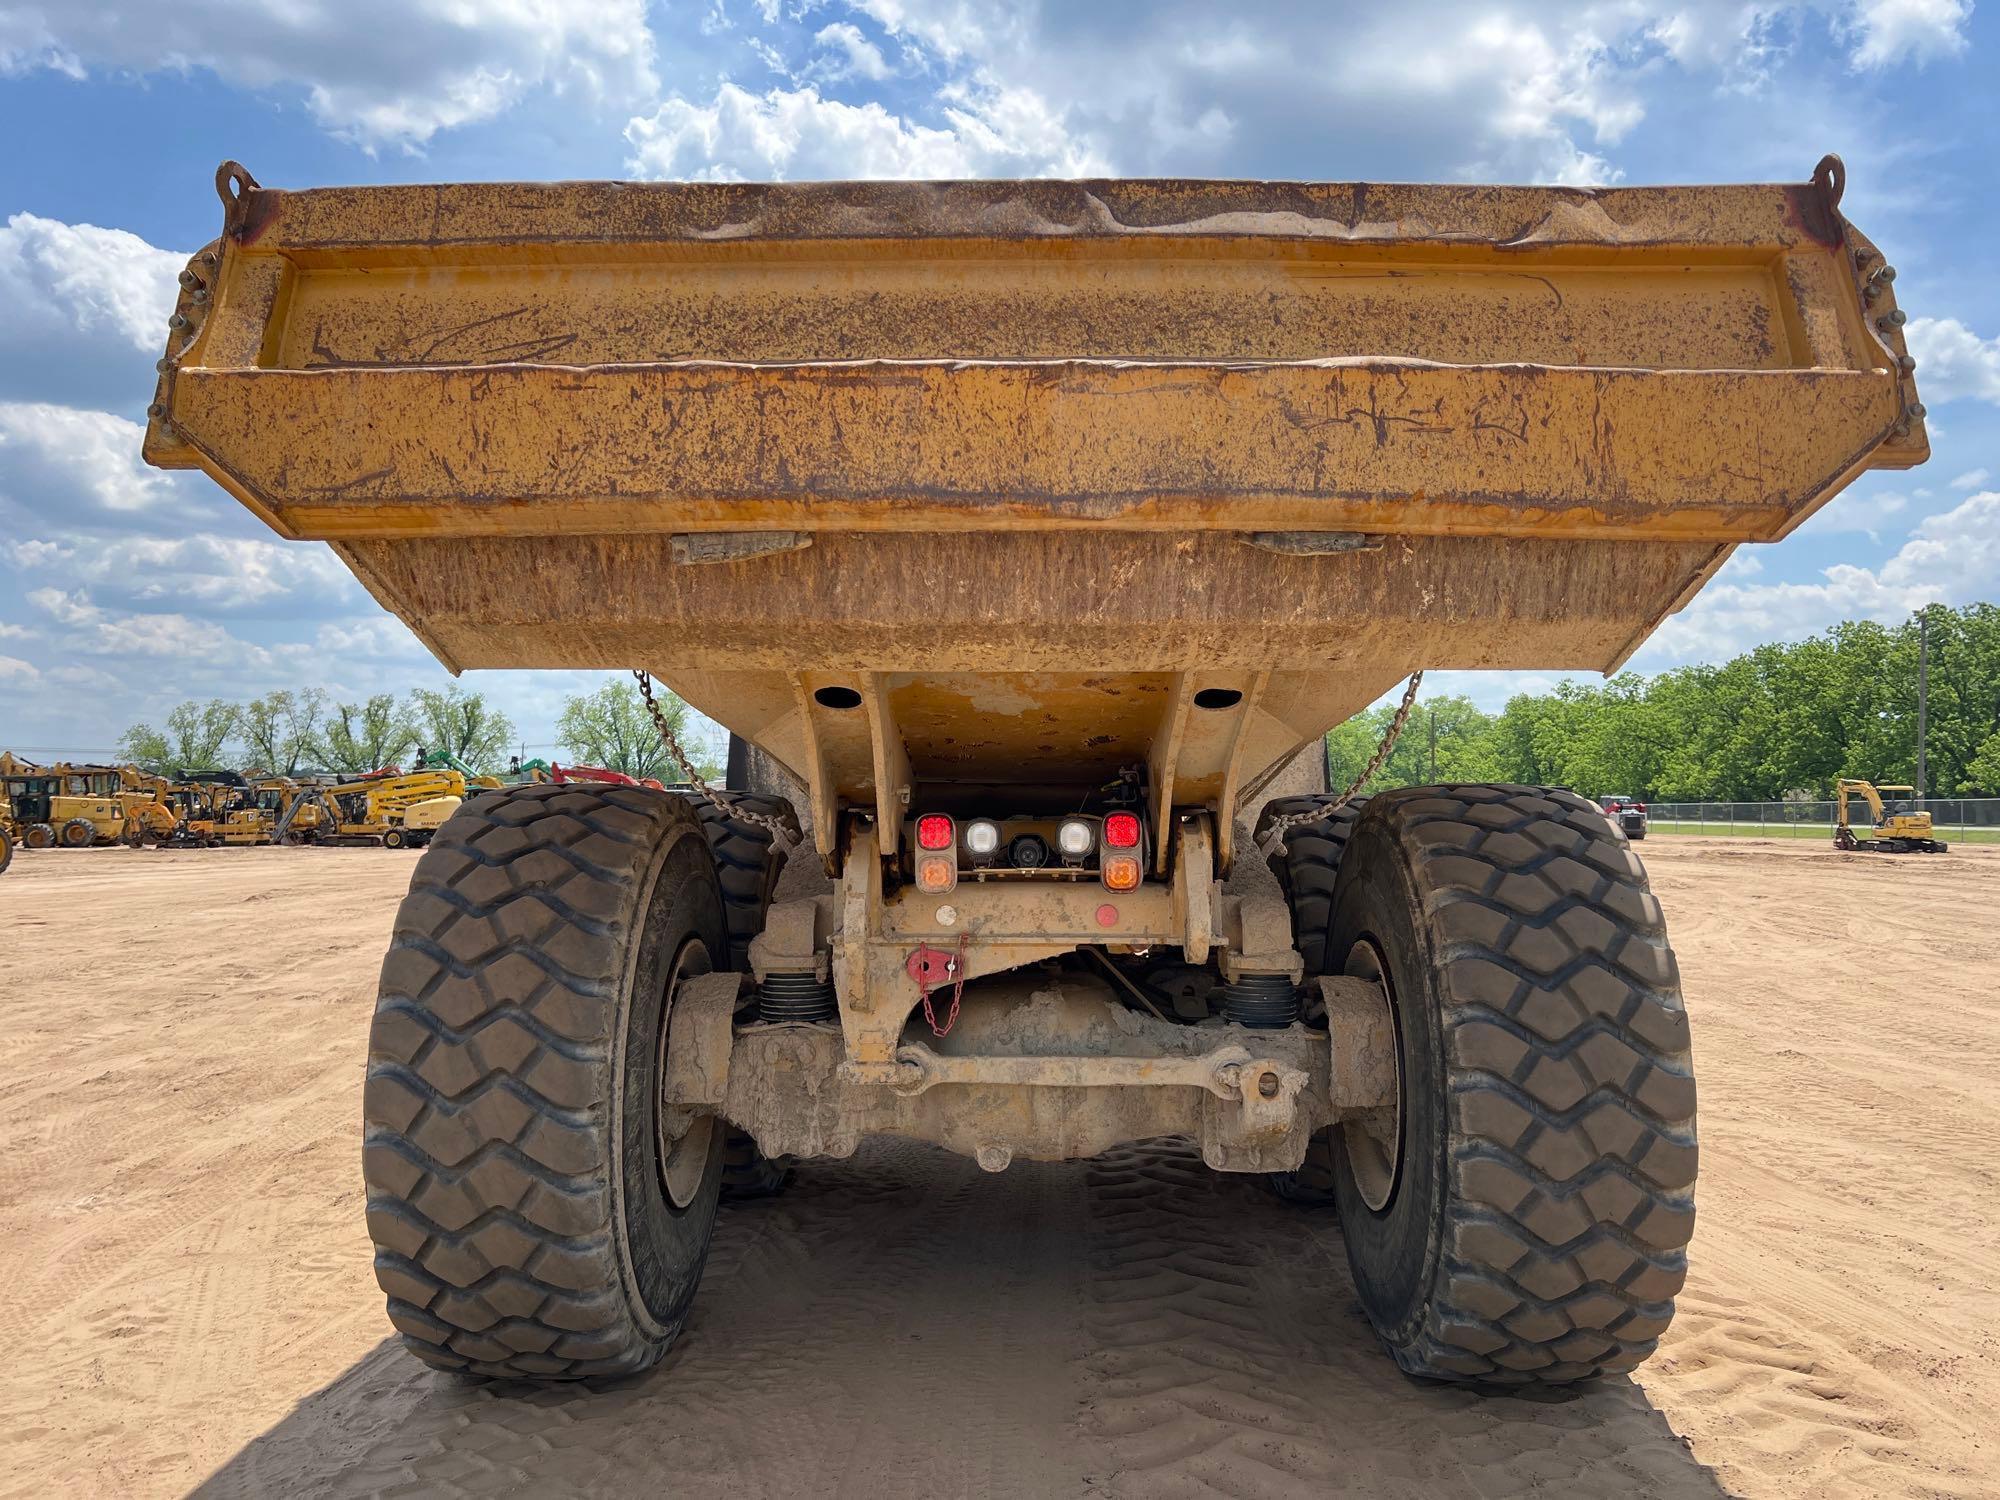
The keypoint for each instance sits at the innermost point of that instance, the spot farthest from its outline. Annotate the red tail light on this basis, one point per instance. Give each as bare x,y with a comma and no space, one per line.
934,831
1121,831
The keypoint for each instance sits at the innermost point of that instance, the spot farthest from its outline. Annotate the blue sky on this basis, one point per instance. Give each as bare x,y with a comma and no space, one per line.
123,590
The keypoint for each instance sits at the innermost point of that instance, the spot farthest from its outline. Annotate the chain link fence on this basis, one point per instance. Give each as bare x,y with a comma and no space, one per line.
1965,820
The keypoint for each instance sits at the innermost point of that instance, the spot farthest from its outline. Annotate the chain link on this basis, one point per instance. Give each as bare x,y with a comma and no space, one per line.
781,830
1274,834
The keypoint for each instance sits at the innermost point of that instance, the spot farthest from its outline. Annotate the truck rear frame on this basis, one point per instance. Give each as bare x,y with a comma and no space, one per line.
1017,503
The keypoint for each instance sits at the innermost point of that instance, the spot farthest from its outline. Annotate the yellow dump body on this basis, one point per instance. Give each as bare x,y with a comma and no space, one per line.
1015,484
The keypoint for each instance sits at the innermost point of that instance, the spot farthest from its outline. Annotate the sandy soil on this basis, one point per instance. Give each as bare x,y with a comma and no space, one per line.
191,1304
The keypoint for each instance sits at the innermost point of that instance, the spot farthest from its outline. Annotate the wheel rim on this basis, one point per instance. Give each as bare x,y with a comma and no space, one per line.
1373,1139
681,1156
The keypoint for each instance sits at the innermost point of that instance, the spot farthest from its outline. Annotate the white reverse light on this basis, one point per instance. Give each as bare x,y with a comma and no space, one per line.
981,837
1075,838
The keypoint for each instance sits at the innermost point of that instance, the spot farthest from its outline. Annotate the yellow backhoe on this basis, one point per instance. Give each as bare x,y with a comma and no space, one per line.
1895,829
1032,535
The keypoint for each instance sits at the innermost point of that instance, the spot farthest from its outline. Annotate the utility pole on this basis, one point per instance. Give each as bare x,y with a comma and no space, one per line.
1923,695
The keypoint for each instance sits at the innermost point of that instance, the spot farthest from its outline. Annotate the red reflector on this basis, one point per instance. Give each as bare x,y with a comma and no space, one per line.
1107,915
1121,831
934,831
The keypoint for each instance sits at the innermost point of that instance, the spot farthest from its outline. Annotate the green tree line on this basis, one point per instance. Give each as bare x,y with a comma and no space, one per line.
1776,721
1779,720
288,732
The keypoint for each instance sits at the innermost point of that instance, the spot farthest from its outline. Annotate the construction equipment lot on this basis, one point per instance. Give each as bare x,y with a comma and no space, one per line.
191,1305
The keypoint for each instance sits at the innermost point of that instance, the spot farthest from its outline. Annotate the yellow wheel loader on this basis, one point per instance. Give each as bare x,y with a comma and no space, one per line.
1895,827
1029,537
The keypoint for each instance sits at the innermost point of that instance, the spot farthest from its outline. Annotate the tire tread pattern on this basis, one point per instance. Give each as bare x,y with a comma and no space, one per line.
748,860
1309,862
1307,865
487,1111
1571,1151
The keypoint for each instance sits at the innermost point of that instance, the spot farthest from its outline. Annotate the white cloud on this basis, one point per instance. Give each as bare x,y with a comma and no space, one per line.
1545,86
795,134
68,466
101,632
1892,31
1742,564
370,636
1858,509
858,57
1547,91
96,280
1971,480
12,668
86,312
379,72
1953,362
1951,558
951,29
219,571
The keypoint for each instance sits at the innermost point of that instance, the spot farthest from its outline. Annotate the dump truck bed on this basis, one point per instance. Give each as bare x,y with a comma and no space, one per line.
1035,472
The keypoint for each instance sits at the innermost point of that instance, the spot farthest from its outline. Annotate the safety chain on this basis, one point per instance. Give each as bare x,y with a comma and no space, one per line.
919,969
778,828
1274,835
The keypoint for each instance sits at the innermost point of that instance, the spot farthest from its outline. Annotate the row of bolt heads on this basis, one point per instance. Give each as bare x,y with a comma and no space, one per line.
1878,282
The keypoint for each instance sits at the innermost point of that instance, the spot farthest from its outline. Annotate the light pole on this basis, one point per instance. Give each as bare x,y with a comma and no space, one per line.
1923,695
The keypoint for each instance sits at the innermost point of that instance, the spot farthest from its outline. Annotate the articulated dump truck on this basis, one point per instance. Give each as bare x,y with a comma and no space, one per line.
1029,537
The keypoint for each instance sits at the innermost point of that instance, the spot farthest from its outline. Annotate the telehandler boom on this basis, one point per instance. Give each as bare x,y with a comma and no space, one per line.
1028,533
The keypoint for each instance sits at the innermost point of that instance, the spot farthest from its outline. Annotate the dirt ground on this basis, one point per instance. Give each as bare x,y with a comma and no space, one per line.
191,1305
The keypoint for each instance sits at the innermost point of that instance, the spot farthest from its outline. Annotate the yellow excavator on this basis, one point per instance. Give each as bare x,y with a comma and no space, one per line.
1893,829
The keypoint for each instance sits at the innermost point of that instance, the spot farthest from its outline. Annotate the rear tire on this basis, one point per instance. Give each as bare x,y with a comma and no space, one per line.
748,860
1307,866
6,850
393,839
1536,1224
530,1218
748,1172
78,833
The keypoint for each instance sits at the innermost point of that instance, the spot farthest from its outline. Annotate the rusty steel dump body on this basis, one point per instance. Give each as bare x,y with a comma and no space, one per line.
1033,470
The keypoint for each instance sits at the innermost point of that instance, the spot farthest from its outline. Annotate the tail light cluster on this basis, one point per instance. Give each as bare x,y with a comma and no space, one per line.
1118,840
